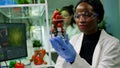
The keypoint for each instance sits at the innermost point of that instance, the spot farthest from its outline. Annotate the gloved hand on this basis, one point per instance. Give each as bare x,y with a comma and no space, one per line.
63,48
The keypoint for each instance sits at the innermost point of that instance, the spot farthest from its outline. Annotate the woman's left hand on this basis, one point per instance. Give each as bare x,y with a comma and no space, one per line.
63,48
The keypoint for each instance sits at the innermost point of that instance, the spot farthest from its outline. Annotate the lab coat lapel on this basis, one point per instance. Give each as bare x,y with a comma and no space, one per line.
96,56
97,51
79,43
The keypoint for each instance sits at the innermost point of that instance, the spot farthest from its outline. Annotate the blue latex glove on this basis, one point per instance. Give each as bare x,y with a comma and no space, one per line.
63,48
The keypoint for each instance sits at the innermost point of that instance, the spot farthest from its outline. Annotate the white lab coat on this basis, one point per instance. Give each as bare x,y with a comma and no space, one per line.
106,53
72,31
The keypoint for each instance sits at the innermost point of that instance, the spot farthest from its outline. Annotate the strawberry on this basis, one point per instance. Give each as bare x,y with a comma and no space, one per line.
38,60
56,12
59,25
54,21
58,17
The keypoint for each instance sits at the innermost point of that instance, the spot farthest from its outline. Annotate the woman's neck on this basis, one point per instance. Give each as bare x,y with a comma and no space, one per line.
91,32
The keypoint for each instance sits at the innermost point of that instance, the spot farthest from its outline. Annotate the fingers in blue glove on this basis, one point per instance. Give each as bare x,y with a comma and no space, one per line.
64,49
55,45
66,39
60,41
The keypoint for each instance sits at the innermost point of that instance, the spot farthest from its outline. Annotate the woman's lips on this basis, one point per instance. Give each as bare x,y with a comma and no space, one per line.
82,26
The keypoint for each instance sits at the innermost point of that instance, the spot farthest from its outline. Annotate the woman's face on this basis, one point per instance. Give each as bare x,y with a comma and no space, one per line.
67,17
86,19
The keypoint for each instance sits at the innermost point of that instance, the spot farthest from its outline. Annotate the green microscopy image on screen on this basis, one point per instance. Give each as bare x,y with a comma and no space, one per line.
13,42
15,36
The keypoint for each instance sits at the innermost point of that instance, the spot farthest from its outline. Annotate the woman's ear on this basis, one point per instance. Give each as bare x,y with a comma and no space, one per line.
98,20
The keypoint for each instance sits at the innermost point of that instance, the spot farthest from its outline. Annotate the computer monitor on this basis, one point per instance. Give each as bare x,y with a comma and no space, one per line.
12,41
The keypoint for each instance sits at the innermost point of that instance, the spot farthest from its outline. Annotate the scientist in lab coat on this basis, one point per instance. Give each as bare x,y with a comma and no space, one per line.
94,48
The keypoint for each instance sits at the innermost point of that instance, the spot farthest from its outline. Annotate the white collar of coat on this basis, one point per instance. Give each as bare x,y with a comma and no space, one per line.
98,48
77,40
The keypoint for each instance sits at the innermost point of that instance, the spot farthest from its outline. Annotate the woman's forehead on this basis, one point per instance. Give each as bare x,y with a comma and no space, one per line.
84,7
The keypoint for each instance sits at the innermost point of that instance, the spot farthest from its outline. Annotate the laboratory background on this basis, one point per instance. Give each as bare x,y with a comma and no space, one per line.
25,30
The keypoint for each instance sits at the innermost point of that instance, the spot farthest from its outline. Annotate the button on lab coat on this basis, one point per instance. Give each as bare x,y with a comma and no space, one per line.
106,53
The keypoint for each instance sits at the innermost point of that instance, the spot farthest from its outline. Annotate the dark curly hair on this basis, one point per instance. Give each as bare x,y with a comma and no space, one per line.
97,7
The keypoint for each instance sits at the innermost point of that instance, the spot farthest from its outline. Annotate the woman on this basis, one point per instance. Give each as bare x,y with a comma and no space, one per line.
94,48
70,25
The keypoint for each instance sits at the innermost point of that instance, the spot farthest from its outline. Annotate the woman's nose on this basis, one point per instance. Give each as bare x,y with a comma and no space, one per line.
82,19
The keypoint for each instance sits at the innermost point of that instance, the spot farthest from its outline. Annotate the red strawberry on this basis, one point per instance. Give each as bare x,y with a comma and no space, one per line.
54,21
59,25
56,12
58,17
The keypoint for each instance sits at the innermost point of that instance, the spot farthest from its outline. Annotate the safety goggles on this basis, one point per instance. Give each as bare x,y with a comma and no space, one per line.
85,15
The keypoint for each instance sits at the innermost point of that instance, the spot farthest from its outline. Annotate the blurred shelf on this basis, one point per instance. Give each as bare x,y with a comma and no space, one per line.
21,5
37,13
23,11
50,62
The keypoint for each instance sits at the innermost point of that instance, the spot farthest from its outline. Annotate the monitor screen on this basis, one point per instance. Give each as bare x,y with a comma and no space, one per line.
12,41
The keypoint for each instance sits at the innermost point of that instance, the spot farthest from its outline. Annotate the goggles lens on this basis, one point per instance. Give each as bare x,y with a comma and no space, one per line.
85,15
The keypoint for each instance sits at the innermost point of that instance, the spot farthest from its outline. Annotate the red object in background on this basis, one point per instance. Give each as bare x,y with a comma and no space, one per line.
38,57
17,8
19,65
42,52
38,60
